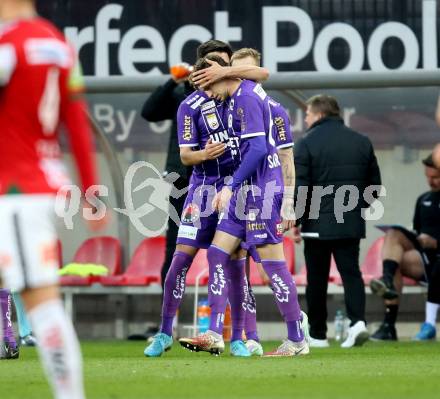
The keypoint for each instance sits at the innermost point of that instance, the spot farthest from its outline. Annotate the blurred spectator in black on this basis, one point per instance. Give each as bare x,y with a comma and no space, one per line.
413,254
332,156
161,105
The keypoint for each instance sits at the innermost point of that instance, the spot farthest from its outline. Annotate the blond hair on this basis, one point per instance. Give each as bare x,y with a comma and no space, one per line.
246,52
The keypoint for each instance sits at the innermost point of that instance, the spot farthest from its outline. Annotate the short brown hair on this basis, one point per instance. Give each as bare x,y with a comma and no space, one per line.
324,104
202,63
213,46
246,52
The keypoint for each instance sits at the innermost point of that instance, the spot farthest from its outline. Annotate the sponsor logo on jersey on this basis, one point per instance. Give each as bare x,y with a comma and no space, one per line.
220,137
256,226
280,229
198,103
212,121
259,91
189,232
192,99
208,105
281,128
187,122
261,236
191,213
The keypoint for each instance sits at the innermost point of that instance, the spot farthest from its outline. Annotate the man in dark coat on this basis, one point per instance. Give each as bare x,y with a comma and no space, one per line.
339,170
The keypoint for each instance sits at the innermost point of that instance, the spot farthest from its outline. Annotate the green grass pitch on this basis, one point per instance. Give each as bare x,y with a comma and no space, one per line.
119,370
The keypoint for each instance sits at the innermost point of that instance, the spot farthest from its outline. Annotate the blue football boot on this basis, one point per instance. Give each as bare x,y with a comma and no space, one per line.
427,332
161,343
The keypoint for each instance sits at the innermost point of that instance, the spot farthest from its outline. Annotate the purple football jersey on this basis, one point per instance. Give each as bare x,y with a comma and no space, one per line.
250,115
281,124
200,118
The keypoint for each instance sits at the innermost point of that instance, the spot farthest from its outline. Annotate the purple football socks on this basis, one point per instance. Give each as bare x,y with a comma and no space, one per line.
6,310
250,321
174,288
218,287
286,297
237,297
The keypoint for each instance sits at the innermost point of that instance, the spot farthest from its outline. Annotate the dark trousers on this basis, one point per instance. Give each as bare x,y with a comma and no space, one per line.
318,256
173,229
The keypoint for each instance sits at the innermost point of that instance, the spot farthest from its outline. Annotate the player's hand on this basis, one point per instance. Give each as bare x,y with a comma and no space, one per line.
426,241
288,214
208,76
213,150
221,199
297,235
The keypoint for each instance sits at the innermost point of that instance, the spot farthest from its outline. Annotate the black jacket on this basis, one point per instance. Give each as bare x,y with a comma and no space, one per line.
163,104
331,154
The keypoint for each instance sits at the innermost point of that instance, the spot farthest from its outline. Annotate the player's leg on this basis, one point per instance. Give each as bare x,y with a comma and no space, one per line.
174,289
172,230
219,254
346,254
194,232
58,345
9,347
250,306
237,298
411,266
24,326
28,237
394,247
317,255
428,329
286,297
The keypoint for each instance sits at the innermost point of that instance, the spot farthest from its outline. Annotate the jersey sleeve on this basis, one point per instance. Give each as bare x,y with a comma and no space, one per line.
187,132
8,61
283,134
74,115
75,82
250,112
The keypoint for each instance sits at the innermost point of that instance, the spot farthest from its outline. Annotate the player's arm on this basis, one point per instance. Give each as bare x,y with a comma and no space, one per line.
302,175
288,169
211,151
215,72
284,144
188,136
253,137
253,147
8,61
74,115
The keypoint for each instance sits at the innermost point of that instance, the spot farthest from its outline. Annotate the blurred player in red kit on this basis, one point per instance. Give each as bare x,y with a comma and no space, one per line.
40,87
